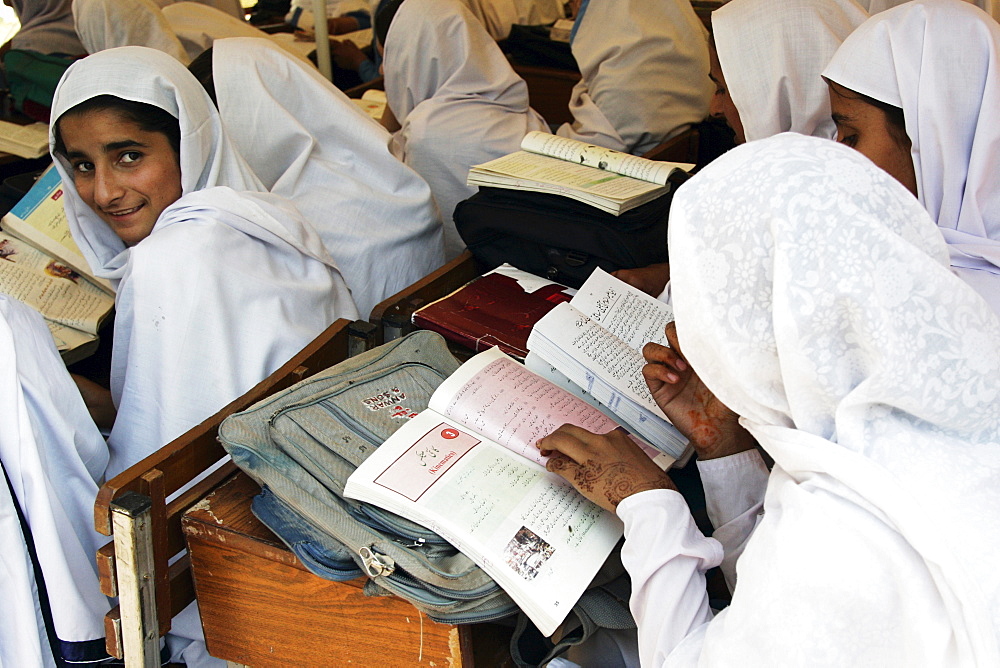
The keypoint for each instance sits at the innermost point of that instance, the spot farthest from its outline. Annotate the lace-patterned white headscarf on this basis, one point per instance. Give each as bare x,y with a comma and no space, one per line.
813,296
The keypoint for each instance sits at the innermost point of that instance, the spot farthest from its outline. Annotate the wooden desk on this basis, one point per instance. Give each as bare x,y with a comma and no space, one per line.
261,607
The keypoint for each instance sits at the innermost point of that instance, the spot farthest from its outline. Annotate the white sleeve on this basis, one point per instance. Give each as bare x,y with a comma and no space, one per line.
734,496
666,556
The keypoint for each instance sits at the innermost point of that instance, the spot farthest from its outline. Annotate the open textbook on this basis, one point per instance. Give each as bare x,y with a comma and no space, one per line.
595,343
42,266
608,180
467,468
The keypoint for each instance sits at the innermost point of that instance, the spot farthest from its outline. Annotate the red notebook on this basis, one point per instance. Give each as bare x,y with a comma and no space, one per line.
493,310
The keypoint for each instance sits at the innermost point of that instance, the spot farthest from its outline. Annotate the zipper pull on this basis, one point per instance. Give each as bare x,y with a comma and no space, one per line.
376,564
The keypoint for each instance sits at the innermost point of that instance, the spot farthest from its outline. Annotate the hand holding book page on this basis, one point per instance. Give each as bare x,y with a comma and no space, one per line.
599,157
596,340
528,528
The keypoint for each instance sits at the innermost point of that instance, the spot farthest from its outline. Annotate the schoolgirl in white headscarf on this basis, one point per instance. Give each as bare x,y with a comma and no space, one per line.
645,73
375,215
939,61
230,283
772,53
181,29
46,27
813,298
54,457
456,98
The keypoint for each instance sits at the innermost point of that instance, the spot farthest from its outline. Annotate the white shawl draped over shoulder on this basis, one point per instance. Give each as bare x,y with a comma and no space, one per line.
46,27
772,53
813,297
54,455
645,73
939,61
308,142
231,282
456,98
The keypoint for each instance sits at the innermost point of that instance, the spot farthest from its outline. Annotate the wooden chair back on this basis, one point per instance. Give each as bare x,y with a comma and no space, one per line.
391,317
680,148
549,91
142,507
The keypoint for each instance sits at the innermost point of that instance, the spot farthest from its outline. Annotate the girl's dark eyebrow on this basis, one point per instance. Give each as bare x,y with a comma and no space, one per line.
840,118
107,148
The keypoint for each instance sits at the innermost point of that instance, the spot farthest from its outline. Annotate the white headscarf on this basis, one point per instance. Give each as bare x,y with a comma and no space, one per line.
46,27
772,53
198,26
54,456
813,296
875,6
456,97
229,285
182,29
375,215
106,24
939,60
645,73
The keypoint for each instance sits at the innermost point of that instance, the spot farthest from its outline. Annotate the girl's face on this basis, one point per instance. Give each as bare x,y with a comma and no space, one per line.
722,105
866,129
127,175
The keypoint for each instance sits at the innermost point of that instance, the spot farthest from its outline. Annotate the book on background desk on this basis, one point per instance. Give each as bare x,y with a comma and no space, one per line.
496,309
594,343
467,468
373,102
42,266
24,141
609,180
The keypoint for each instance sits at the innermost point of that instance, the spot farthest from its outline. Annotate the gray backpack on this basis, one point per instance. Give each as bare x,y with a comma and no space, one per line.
302,444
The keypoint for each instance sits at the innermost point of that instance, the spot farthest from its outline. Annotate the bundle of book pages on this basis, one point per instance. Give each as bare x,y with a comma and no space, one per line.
41,265
609,180
24,141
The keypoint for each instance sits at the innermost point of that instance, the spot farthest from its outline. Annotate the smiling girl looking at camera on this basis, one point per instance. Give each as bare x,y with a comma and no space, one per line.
219,282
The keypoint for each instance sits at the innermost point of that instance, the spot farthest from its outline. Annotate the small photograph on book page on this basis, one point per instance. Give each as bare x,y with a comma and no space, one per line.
527,552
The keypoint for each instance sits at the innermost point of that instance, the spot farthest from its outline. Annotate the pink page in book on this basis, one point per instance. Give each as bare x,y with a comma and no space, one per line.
507,403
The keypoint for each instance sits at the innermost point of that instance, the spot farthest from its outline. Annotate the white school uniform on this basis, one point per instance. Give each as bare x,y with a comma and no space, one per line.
229,285
46,27
772,53
813,297
938,60
456,98
308,142
645,73
54,456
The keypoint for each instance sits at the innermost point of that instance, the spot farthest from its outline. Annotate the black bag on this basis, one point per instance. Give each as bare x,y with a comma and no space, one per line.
560,238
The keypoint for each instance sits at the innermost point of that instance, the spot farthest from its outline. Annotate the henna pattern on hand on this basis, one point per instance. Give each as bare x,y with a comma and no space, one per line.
616,480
